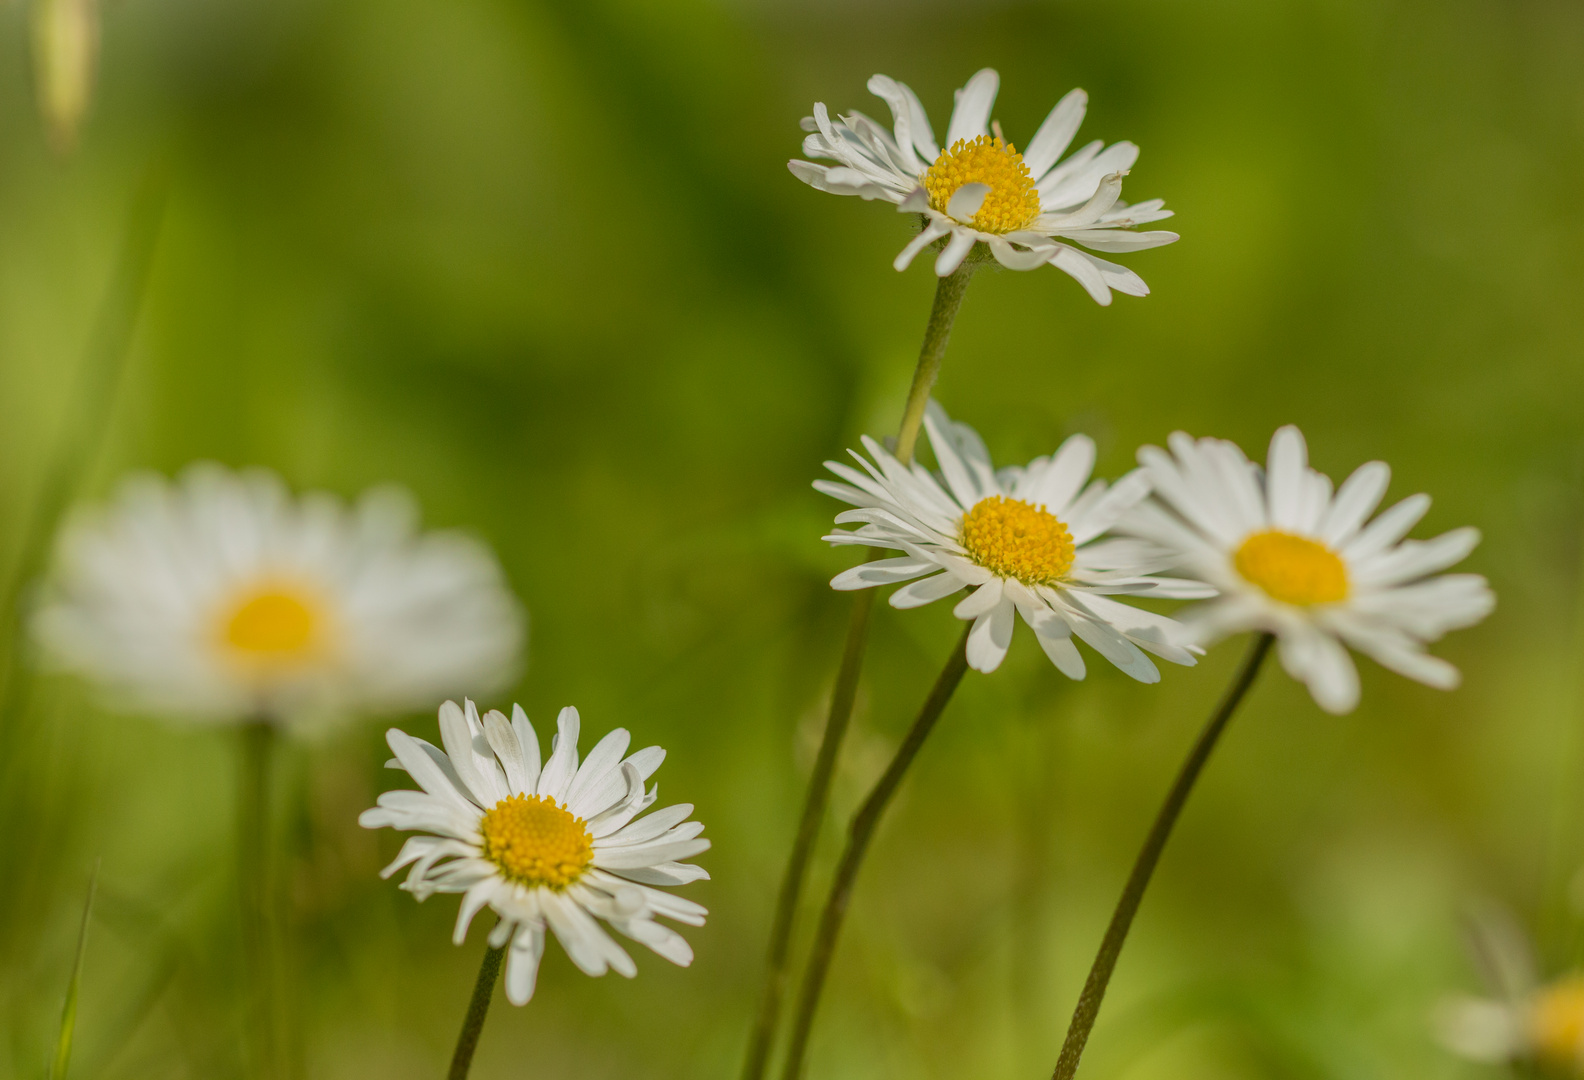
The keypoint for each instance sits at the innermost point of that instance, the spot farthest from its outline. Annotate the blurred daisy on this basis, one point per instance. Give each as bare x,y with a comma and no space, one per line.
1524,1020
221,597
1292,559
1026,540
558,846
979,189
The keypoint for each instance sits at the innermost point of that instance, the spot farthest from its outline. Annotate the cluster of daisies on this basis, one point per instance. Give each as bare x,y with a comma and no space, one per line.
222,597
1270,549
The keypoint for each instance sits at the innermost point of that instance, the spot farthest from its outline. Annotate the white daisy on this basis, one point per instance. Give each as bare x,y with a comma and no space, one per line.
1524,1020
1025,539
221,597
1292,559
981,190
556,847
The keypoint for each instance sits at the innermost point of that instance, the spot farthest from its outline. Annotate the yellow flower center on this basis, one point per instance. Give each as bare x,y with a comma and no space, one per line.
1292,569
1556,1024
272,624
1015,539
1012,202
536,842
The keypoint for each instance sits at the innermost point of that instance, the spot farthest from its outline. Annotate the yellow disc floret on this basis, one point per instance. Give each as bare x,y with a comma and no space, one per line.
1292,569
271,624
536,842
1556,1023
1012,202
1015,539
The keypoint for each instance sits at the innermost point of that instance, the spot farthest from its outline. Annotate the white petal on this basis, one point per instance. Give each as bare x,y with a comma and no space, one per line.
955,251
503,740
932,232
599,782
1387,529
522,963
528,739
1084,272
926,590
1065,476
1358,497
971,115
882,572
981,601
1285,468
473,902
966,201
563,763
990,637
1055,134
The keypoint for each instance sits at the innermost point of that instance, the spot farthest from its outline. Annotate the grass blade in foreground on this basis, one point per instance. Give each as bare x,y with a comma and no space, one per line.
68,1024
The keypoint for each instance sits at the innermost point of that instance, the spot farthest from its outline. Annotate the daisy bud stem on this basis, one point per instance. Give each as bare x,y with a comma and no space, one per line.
1144,866
948,298
478,1009
949,293
860,833
255,884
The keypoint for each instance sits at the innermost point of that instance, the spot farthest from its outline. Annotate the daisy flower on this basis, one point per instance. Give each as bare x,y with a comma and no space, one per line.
1026,540
979,189
221,597
1291,558
557,846
1524,1019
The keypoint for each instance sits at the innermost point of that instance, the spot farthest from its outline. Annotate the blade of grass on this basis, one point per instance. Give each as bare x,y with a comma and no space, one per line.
68,1024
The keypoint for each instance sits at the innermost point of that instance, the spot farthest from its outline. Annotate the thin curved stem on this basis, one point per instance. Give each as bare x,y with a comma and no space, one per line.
478,1009
859,835
255,889
949,293
1144,866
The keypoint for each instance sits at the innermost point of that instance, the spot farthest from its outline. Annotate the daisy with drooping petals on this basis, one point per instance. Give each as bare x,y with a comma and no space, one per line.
1027,540
221,597
1292,559
979,189
551,847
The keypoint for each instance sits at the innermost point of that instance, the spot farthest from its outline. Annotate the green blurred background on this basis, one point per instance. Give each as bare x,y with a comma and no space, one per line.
543,262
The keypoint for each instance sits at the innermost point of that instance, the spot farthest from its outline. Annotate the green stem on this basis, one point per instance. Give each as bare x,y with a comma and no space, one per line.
814,805
478,1009
1144,866
98,379
255,887
949,293
859,835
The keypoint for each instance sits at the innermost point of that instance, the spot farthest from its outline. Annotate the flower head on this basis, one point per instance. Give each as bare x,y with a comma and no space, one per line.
1291,558
221,597
555,846
1524,1019
981,189
1025,539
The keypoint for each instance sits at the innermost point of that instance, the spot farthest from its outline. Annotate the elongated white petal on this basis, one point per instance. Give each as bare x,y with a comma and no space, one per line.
971,115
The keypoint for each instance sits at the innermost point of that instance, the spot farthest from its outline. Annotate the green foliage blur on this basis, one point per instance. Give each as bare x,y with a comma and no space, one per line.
541,261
